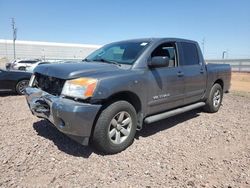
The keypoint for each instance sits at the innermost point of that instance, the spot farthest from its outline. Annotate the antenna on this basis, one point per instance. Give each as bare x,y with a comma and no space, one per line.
14,30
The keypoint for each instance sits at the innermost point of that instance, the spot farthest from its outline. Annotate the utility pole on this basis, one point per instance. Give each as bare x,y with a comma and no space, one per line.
203,46
14,30
43,54
223,54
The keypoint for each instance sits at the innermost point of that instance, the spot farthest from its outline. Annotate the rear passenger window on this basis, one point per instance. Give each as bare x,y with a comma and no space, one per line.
27,62
190,54
22,62
31,62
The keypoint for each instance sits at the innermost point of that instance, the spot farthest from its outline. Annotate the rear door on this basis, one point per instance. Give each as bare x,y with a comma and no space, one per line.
194,71
166,84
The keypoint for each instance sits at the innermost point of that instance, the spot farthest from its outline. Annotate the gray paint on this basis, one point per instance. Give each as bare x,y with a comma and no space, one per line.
72,118
159,89
240,65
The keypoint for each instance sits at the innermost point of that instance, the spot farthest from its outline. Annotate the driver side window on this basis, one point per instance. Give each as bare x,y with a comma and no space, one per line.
166,49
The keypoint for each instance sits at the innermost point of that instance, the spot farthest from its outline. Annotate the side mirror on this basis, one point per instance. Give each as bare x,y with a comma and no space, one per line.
159,61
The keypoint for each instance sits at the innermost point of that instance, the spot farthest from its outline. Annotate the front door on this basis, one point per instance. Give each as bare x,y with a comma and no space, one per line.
166,84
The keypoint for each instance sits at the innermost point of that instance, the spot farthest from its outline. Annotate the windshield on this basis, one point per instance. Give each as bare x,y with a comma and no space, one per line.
120,52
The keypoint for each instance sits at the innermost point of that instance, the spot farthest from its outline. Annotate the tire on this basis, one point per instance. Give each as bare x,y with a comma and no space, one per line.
214,100
20,86
111,126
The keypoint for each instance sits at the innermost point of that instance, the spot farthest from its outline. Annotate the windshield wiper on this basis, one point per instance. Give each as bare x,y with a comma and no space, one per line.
87,60
107,61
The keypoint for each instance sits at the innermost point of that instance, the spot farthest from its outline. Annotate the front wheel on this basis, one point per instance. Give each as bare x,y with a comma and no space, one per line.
214,100
115,128
21,86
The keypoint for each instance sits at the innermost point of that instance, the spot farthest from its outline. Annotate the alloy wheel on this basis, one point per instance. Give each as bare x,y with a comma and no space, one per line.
216,98
120,127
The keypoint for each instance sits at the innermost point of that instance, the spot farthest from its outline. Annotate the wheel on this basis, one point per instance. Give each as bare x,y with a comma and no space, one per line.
115,128
214,100
21,85
22,68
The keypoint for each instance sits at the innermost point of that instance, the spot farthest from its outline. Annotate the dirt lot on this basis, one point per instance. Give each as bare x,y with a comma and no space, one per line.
240,82
194,149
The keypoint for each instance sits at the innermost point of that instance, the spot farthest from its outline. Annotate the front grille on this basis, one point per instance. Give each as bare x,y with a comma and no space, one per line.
49,84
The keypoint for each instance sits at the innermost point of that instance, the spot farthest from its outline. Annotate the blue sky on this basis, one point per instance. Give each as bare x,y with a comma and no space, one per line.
224,24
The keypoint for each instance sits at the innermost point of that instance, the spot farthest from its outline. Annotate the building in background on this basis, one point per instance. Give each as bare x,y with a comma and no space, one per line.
44,50
66,51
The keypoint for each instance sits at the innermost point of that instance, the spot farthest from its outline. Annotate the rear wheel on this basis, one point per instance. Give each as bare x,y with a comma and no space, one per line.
115,128
214,100
21,86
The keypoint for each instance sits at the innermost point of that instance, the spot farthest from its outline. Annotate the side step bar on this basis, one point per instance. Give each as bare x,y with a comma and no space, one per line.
174,112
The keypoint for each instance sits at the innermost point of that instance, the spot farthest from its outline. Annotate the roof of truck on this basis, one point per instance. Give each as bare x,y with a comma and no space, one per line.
160,39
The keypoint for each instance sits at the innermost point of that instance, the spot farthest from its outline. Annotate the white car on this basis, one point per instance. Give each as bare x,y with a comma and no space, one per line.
31,67
23,64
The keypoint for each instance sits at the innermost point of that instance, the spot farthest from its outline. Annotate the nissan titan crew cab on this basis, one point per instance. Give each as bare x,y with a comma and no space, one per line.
120,87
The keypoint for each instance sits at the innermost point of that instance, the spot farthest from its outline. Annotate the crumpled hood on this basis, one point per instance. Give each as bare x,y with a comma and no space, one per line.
75,70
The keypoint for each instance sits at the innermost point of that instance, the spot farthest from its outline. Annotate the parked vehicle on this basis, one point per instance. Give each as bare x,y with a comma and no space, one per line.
22,64
8,66
32,66
124,85
14,81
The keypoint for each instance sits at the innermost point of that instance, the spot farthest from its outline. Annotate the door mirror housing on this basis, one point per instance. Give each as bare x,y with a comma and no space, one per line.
159,61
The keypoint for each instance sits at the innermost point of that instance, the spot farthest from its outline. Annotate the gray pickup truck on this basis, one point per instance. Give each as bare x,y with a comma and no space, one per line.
123,85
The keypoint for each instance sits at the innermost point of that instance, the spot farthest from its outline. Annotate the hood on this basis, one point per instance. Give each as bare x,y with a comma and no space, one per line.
75,70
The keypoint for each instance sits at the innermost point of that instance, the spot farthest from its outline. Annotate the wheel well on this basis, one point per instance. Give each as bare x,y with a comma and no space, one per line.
21,79
219,81
22,67
128,96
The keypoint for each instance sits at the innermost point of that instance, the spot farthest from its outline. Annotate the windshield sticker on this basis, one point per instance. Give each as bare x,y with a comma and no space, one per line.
144,44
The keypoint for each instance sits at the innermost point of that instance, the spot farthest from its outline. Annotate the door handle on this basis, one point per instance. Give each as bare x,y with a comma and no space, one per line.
180,74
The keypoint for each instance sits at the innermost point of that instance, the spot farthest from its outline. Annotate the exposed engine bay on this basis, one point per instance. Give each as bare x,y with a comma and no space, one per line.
49,84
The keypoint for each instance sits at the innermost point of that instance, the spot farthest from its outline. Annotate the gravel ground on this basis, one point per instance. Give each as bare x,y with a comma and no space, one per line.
194,149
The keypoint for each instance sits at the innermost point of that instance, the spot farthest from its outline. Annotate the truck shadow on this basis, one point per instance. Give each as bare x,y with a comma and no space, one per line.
153,128
65,144
7,94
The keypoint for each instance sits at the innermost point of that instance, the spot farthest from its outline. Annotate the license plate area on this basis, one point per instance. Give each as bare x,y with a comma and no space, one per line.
42,107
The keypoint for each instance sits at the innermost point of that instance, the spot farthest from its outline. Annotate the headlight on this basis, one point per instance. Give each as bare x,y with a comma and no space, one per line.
80,87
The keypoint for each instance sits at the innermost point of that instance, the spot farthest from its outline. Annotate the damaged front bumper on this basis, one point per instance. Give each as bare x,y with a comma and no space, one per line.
75,119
